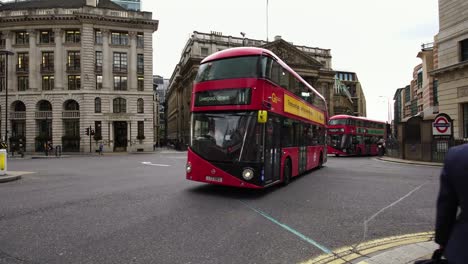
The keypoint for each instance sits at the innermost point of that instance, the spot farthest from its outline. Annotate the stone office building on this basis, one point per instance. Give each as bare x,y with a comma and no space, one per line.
452,69
77,64
313,64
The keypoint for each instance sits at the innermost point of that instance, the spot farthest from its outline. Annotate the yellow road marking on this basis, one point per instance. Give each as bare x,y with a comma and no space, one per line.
344,254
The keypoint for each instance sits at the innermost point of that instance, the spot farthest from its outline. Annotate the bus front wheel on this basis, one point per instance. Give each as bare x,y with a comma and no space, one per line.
287,172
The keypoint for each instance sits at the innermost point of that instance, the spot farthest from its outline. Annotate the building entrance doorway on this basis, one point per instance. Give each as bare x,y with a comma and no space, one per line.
120,136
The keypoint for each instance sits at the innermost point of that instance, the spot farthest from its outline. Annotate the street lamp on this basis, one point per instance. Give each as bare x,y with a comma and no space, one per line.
6,53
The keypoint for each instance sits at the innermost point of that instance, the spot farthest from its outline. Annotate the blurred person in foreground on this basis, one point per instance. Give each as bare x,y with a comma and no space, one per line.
452,206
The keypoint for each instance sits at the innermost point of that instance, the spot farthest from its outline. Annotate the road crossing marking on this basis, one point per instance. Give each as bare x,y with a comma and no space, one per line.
290,229
154,164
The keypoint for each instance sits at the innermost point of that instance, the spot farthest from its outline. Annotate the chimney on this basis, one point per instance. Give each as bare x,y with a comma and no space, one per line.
277,37
92,3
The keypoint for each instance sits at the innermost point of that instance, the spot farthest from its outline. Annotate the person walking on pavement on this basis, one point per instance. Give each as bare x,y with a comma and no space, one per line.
101,148
452,227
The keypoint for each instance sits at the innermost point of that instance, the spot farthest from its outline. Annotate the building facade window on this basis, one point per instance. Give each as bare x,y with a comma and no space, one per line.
46,37
140,64
140,106
97,105
140,83
23,83
98,82
464,50
141,130
465,120
98,36
98,61
140,41
120,105
72,36
47,82
23,61
119,38
74,82
120,83
47,62
120,62
73,60
204,52
2,83
22,38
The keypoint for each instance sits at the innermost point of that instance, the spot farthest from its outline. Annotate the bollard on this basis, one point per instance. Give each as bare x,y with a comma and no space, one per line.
3,162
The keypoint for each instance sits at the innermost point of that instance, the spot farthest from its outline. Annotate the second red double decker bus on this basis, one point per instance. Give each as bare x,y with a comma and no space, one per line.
351,135
254,121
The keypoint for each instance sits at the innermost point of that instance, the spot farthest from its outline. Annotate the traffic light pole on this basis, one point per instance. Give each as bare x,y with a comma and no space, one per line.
90,128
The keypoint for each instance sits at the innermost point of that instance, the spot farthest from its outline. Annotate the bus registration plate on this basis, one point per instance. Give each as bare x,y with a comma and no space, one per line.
214,179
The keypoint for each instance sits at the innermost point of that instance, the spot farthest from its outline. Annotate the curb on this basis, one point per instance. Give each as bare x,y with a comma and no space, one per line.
9,178
352,253
411,162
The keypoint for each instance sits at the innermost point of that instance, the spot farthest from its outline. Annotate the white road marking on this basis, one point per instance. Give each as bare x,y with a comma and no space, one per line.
153,164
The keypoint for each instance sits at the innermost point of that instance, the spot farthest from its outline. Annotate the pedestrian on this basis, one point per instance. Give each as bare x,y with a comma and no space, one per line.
21,148
101,148
46,148
452,227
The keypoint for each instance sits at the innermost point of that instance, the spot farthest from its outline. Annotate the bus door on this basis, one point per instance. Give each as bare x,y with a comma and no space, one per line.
367,145
300,138
272,150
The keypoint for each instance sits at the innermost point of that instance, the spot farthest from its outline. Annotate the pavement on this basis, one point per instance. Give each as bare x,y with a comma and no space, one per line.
412,162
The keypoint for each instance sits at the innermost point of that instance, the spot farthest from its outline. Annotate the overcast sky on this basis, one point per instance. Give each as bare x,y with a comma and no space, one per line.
377,39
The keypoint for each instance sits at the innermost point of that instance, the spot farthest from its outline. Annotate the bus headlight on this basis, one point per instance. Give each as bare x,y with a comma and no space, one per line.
247,174
189,167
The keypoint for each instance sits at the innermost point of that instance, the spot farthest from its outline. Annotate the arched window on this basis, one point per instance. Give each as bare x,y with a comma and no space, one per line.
140,106
97,105
19,106
71,105
44,105
120,105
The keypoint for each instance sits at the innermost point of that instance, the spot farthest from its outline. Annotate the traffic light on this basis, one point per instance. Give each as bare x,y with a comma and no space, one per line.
92,132
87,131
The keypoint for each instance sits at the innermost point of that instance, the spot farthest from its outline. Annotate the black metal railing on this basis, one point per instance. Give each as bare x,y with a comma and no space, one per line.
47,68
119,68
73,67
22,68
140,69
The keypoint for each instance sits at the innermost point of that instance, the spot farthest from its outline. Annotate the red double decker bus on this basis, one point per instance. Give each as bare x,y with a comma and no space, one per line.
254,121
351,135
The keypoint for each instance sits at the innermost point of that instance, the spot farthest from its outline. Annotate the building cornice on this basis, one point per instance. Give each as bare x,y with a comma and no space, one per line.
454,67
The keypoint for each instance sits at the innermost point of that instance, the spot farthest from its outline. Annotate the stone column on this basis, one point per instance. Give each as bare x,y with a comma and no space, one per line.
34,84
58,60
107,83
11,76
132,63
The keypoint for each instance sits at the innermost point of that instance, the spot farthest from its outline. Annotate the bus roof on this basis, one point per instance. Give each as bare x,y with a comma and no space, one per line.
253,51
354,117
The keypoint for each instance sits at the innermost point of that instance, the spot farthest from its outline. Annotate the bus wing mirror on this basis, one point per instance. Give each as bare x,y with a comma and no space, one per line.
262,116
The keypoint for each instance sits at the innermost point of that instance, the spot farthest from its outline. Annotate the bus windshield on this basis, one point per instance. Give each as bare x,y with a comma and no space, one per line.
231,68
338,122
226,137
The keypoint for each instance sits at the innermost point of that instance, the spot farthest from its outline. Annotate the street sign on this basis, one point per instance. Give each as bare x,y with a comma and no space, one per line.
442,126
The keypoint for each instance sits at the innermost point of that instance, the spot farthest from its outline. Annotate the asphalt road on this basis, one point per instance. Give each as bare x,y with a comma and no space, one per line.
130,209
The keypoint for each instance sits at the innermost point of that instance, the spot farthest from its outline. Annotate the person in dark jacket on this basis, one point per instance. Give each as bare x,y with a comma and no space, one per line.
452,206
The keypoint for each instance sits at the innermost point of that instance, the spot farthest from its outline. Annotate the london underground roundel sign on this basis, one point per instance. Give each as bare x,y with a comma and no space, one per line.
442,126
